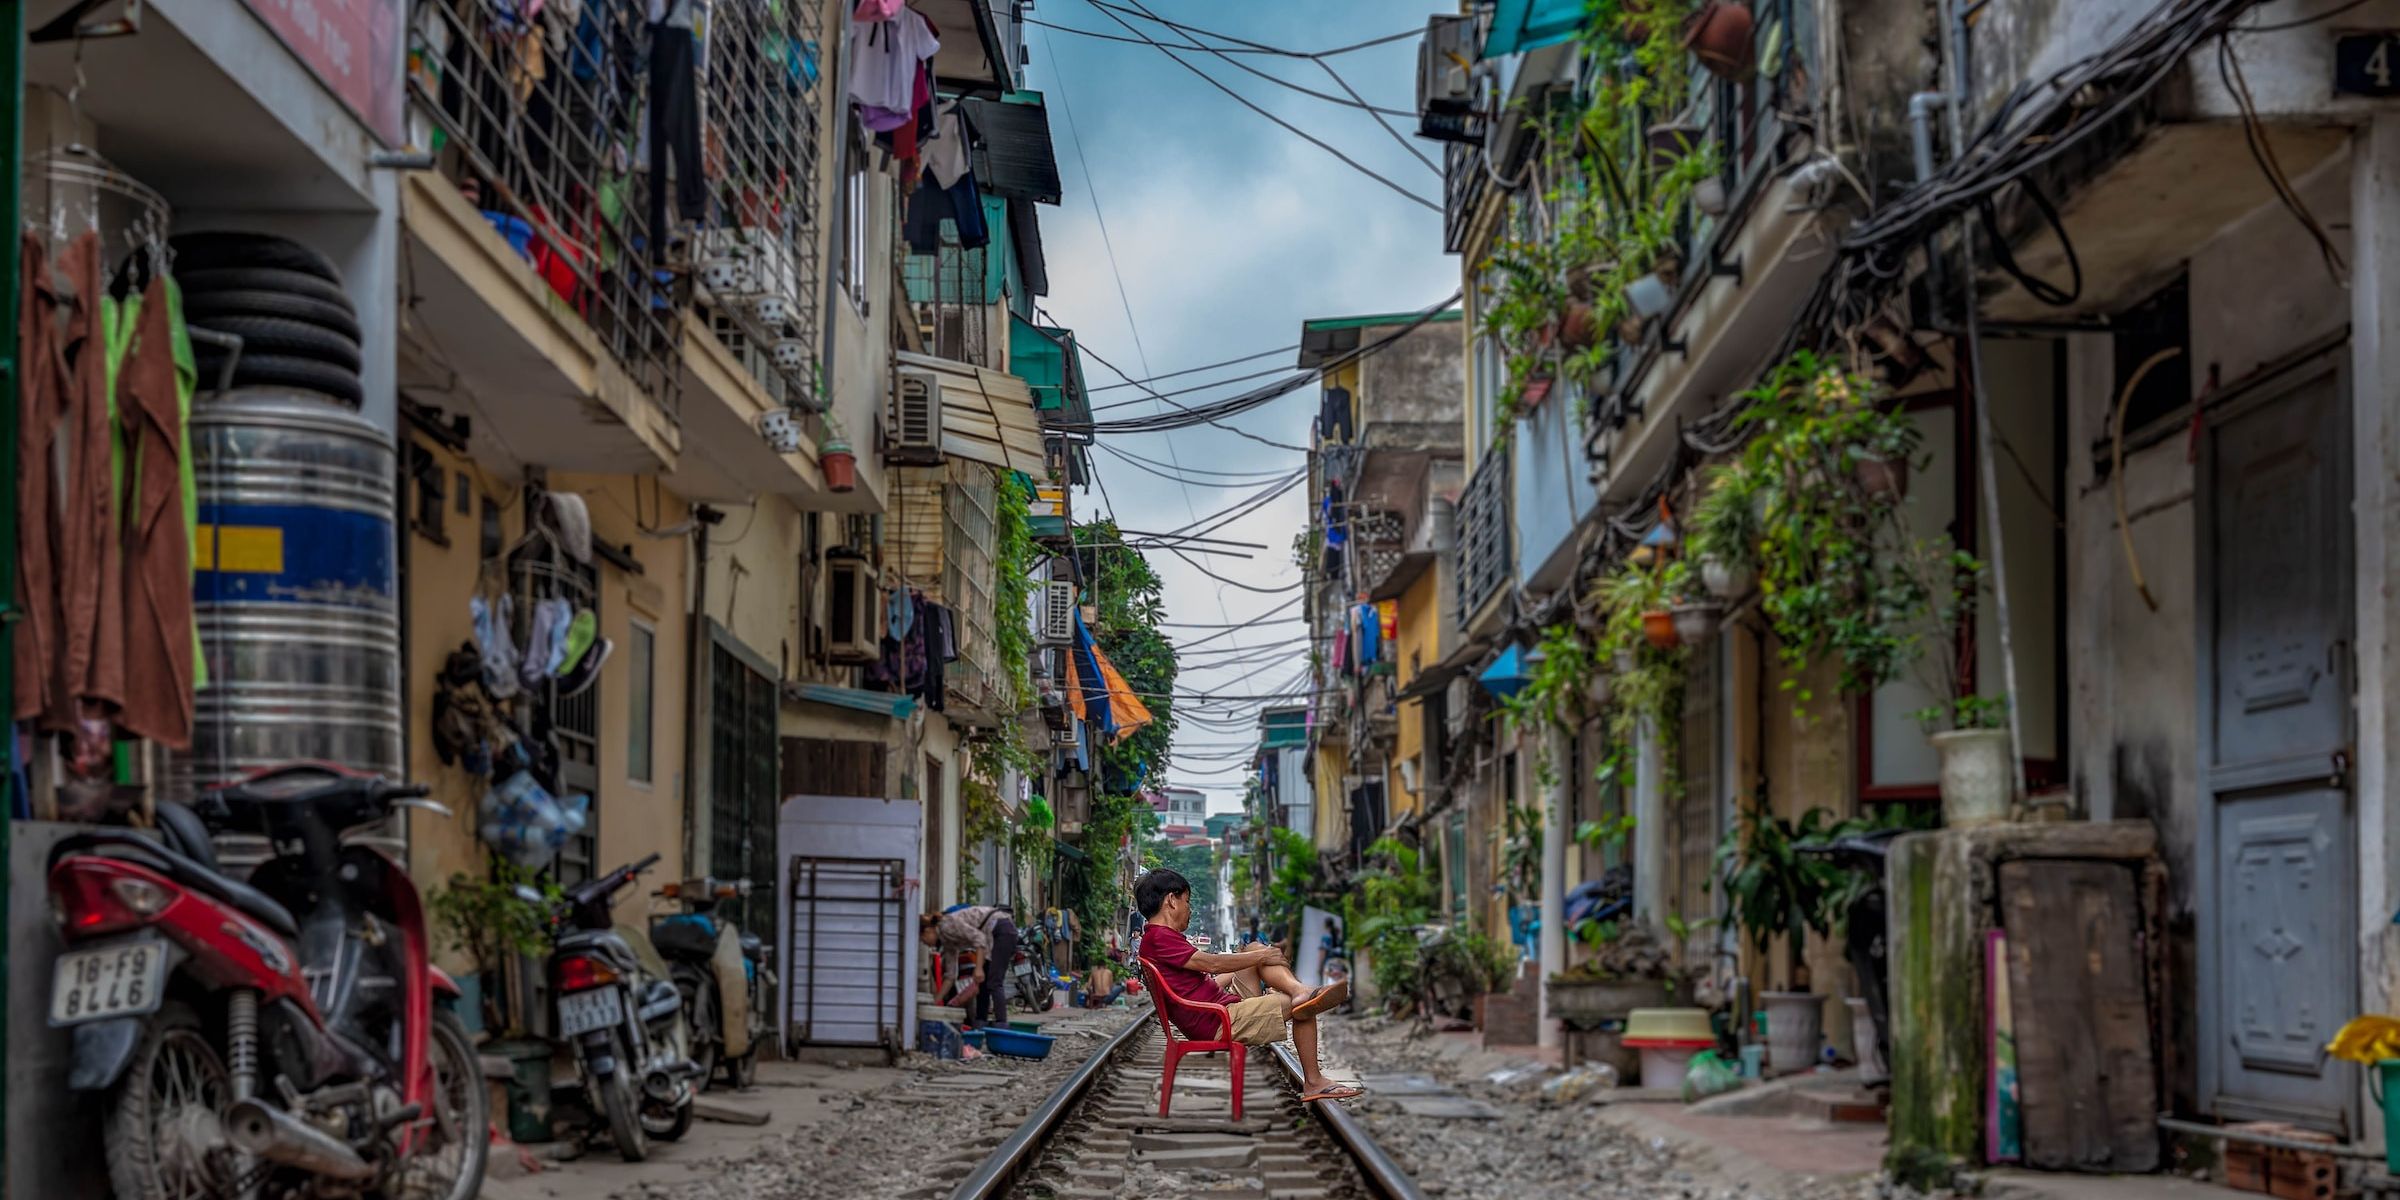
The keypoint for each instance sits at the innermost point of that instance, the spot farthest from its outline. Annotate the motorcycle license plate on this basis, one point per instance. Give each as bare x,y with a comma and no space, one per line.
124,980
583,1012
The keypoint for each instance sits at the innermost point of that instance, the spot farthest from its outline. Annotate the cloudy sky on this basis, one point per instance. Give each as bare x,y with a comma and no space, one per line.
1227,233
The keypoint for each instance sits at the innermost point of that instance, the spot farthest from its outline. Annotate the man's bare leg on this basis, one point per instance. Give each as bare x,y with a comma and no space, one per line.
1280,977
1304,1040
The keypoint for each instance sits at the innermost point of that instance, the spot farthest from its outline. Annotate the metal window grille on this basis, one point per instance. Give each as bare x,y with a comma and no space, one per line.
743,779
537,121
538,570
1483,532
766,110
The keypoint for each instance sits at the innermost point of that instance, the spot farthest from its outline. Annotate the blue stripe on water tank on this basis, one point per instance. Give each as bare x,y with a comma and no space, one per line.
332,557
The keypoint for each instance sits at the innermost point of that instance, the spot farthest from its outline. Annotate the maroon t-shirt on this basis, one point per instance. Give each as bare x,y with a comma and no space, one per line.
1168,951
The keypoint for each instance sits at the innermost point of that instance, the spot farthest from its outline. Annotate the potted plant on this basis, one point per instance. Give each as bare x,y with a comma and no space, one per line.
1776,891
1695,621
1627,967
496,921
1970,736
1723,36
1725,529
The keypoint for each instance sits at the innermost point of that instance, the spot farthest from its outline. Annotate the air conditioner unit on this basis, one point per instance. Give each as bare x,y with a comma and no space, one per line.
853,617
914,434
1446,80
1058,611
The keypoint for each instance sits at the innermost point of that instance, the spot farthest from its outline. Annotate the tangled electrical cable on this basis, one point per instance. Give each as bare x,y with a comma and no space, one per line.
1186,416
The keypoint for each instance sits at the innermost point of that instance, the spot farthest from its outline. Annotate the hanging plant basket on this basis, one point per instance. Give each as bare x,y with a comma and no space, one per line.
1709,198
1625,660
1658,625
1583,279
1629,329
1601,689
1635,27
1723,35
1537,389
1883,477
1725,581
839,465
1696,623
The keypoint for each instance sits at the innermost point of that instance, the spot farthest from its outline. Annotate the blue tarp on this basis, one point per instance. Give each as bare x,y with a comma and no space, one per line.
1521,25
1095,685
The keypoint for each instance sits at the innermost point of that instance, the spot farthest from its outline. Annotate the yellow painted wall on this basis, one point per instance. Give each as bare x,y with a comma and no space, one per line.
1419,647
1332,810
635,818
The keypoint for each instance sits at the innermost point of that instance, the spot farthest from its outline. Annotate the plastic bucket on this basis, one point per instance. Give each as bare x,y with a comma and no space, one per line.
1664,1063
2385,1078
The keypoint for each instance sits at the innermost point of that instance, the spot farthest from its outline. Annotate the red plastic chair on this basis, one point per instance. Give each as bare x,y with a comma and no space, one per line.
1177,1045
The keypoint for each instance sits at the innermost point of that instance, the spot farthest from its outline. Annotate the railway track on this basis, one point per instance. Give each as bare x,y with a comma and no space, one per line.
1099,1135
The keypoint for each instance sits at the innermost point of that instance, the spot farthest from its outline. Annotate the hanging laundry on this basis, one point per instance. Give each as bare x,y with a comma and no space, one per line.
92,566
542,645
1370,634
158,595
187,382
1388,611
961,204
884,58
675,49
493,638
43,401
948,155
900,616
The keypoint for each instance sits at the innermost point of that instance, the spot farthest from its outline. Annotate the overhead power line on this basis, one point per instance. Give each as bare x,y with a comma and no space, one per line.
1247,103
1275,51
1230,362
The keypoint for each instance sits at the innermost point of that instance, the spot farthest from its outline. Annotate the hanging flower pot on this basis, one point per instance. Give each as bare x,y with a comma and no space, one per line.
839,465
1881,477
1578,327
1649,295
1695,623
1669,266
1537,389
1725,581
1601,689
1629,329
1709,198
1658,625
1723,36
1583,279
1625,660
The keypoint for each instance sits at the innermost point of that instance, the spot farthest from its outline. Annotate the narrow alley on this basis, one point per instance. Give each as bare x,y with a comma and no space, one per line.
955,599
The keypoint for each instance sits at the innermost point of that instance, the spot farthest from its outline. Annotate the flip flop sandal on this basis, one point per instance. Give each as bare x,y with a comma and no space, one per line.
1339,1091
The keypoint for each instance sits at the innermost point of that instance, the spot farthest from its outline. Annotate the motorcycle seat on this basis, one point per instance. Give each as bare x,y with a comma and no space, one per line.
190,858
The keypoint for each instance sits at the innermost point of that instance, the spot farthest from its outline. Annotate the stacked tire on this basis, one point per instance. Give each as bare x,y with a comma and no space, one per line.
284,300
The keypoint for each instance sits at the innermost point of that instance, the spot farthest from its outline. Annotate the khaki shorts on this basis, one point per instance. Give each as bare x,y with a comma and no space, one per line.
1257,1020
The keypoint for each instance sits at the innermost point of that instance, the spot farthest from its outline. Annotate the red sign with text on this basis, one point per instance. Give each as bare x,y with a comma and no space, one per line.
353,46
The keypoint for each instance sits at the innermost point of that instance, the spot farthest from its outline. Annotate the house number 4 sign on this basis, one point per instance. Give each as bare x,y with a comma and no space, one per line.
2366,64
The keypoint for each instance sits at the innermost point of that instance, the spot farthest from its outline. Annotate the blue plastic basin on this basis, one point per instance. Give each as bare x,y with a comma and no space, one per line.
1016,1044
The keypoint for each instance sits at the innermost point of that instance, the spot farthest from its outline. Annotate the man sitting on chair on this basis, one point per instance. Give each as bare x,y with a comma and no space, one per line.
1256,986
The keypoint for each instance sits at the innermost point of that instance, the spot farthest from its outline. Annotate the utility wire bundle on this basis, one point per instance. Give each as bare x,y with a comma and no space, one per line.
1187,416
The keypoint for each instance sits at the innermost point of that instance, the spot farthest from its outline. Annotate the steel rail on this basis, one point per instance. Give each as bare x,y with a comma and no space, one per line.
1381,1172
999,1168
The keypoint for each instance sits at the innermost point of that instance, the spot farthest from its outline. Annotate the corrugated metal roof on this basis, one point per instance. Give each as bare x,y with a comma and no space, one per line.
1026,230
1016,158
987,416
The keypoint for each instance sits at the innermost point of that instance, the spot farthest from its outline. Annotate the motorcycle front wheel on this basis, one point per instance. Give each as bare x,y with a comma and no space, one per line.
451,1165
701,1018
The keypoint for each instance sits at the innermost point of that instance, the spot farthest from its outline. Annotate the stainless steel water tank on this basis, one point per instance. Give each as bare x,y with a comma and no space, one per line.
296,591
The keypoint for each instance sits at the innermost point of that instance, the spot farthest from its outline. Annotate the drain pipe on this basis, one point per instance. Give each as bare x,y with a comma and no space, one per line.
1962,93
695,680
1921,108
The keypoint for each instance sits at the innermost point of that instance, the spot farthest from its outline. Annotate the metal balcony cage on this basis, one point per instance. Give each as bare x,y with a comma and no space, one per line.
763,122
538,117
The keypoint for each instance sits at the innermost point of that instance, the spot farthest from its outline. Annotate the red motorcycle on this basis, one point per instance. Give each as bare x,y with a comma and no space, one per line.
278,1039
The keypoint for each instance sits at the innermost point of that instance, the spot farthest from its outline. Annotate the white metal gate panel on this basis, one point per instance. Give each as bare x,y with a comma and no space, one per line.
849,924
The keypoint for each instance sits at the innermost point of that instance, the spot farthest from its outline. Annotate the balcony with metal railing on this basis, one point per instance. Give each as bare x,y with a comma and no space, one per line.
621,216
1484,540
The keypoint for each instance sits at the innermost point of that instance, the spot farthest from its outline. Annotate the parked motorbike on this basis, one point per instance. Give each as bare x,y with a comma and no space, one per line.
623,1016
1031,982
701,949
1863,938
284,1036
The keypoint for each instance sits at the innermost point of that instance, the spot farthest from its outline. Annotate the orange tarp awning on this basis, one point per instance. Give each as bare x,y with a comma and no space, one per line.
1127,708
